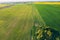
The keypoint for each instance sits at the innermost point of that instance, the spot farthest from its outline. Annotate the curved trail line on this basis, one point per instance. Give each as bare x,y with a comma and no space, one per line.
38,17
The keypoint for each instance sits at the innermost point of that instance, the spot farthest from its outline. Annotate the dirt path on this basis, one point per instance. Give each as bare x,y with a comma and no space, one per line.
7,6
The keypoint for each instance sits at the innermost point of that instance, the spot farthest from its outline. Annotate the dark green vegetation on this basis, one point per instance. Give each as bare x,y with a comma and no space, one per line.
51,15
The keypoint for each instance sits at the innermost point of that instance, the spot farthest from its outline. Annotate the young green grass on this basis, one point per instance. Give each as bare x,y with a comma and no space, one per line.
50,13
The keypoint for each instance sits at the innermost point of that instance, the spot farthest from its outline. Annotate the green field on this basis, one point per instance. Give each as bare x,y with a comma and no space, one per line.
17,21
50,14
